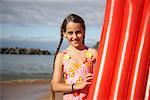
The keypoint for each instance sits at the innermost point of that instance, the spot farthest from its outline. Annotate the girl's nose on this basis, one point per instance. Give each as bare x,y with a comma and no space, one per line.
74,36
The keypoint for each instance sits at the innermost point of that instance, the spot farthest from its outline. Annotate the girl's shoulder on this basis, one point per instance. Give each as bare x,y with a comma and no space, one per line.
93,51
62,53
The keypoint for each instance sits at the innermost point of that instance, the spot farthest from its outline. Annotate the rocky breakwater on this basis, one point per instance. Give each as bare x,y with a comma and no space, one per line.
17,50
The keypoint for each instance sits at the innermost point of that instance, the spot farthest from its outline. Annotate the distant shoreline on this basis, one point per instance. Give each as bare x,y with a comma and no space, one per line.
26,51
19,81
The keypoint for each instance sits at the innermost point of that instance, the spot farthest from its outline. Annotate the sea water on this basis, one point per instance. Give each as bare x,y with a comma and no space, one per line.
18,67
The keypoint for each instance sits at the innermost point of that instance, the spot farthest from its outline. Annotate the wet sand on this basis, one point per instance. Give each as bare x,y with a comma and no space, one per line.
26,90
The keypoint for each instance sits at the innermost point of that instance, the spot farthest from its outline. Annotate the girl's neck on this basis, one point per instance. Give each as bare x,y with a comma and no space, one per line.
79,49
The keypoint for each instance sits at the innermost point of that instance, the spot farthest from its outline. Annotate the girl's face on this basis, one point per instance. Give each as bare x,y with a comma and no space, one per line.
74,34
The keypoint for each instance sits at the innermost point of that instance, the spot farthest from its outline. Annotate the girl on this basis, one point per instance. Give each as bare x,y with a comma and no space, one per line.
75,63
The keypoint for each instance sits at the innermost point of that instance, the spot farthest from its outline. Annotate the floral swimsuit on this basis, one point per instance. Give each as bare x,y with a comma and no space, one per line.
75,73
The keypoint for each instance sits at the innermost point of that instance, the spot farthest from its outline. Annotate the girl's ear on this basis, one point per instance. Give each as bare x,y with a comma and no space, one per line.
64,34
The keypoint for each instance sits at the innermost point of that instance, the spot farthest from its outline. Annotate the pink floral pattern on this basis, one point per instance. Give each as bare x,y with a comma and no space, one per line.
75,73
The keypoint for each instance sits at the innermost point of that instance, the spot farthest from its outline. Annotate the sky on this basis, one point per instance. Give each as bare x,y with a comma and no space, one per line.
36,23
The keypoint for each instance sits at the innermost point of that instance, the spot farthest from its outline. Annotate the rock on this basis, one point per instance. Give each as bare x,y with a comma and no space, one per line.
23,51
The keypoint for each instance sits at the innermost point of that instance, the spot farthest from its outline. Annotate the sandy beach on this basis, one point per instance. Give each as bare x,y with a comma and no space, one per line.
26,90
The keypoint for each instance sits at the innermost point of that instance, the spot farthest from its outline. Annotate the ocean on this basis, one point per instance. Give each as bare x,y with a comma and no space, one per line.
21,67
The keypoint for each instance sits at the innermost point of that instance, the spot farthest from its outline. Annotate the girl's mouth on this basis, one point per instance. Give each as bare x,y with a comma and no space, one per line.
75,41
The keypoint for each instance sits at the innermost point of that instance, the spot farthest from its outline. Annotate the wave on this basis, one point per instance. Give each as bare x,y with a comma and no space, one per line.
25,77
19,81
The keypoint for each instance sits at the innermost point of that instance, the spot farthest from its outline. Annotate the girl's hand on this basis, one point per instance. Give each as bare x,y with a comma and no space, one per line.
86,81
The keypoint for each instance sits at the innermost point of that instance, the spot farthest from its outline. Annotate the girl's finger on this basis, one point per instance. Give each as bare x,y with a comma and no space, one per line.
88,83
89,74
89,78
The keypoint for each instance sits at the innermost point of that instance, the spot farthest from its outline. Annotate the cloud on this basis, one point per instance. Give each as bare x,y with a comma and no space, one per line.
50,12
23,38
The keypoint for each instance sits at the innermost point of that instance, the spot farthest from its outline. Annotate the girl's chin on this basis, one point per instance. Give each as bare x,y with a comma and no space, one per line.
75,45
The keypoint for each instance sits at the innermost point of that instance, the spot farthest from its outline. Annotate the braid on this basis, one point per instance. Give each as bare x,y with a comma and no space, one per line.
52,93
60,42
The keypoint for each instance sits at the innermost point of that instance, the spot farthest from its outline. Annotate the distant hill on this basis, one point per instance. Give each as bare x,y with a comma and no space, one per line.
16,50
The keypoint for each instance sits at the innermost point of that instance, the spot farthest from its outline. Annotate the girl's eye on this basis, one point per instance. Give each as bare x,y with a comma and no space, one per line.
78,32
70,33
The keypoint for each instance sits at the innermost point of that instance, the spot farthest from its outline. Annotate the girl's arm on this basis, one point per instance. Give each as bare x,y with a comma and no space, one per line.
58,85
95,53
